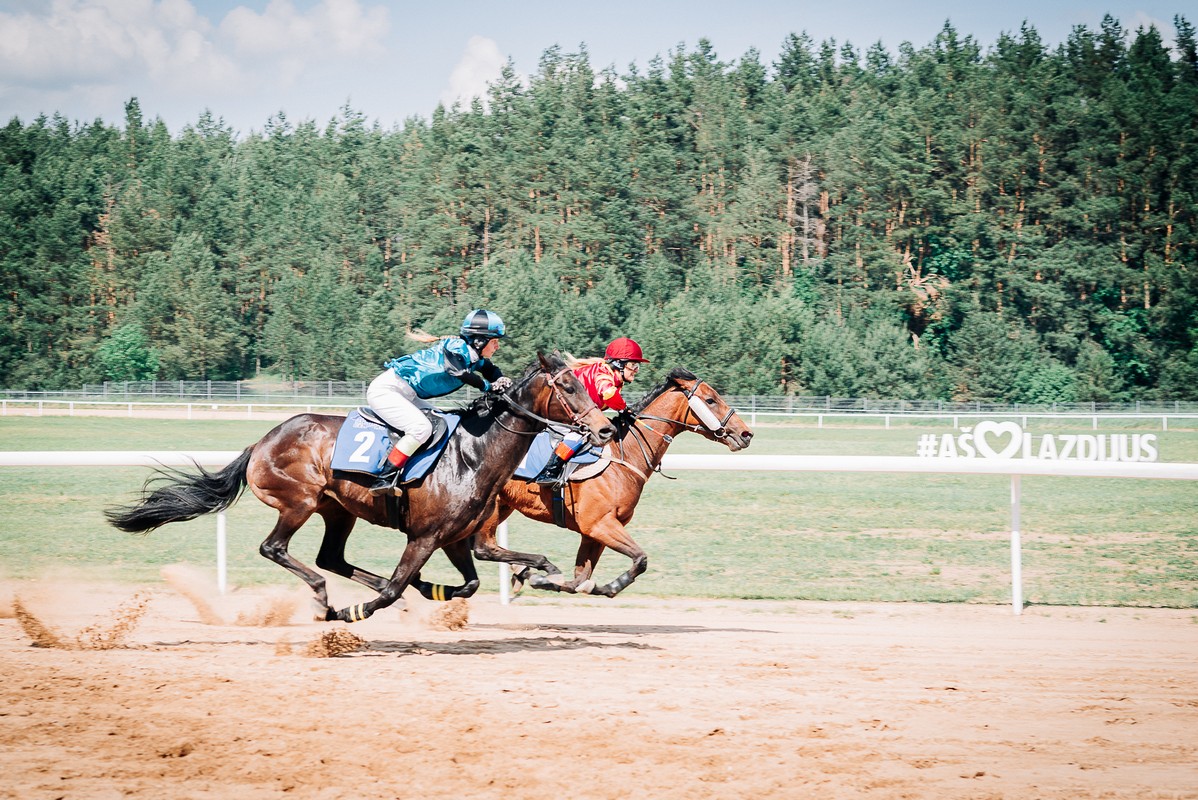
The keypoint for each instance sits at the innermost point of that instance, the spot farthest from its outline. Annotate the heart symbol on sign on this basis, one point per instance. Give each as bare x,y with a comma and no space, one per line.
1001,430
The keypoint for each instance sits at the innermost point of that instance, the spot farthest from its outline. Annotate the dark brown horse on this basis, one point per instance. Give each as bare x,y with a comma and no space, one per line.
290,470
599,508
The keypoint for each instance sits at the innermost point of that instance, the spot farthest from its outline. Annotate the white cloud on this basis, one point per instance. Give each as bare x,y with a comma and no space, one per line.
480,64
96,42
166,48
1143,20
332,27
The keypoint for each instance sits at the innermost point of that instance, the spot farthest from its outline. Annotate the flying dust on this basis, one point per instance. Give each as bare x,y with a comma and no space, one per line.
274,611
326,645
98,636
453,616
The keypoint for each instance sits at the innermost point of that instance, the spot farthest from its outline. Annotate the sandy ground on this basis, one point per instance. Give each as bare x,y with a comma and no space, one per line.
583,698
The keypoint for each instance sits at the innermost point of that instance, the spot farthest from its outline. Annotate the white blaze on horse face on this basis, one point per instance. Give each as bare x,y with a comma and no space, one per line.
704,413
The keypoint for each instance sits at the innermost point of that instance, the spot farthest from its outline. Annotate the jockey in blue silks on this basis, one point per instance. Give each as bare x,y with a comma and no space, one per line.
400,392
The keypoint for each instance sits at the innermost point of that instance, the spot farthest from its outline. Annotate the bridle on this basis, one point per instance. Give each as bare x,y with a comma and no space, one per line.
553,380
695,405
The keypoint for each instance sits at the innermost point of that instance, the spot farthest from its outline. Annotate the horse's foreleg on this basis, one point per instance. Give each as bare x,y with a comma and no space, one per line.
274,547
458,554
338,524
585,562
584,565
415,556
609,532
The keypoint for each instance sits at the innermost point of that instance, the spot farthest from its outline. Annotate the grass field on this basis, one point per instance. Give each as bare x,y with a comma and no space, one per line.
836,536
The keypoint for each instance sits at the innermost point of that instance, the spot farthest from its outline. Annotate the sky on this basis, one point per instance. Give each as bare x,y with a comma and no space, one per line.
246,61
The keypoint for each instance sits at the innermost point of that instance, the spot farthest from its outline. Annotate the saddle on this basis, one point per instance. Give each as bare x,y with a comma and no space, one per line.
365,439
586,463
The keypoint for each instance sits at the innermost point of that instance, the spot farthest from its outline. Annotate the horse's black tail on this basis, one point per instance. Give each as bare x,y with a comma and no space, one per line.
180,496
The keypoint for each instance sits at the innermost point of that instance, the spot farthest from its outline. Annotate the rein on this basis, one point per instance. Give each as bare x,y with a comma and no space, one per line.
527,413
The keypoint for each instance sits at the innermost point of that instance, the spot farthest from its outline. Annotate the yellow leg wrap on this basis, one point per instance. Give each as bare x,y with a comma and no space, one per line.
357,613
438,592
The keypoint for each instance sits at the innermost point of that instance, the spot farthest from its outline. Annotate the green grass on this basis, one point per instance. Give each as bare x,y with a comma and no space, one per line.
832,536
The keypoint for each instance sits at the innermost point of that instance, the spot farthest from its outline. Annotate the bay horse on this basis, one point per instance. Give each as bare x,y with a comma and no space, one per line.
599,508
290,470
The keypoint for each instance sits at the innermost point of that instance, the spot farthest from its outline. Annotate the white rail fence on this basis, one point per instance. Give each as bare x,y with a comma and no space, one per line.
1014,467
268,410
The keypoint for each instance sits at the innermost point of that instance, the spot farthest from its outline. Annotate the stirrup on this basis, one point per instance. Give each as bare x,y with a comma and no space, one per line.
554,475
387,483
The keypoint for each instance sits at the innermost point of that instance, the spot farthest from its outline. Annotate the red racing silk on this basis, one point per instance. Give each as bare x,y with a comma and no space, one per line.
603,385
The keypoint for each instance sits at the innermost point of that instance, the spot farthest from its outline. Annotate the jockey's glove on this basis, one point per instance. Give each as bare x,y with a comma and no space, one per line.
501,384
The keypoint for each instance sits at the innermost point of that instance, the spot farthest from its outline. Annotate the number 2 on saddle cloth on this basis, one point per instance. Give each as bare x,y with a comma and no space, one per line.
364,441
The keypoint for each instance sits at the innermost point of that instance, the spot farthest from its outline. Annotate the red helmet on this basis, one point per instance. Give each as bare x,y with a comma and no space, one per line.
624,349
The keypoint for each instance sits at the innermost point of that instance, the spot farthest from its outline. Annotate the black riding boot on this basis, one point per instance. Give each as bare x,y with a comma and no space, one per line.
551,475
387,483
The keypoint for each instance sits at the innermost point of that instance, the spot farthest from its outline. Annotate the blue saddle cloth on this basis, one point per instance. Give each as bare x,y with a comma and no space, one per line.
363,444
542,449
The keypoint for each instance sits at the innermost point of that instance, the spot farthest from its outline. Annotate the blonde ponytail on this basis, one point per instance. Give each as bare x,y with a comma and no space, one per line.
576,363
418,335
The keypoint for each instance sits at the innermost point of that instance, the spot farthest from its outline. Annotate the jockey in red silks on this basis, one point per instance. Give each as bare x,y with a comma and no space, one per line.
603,377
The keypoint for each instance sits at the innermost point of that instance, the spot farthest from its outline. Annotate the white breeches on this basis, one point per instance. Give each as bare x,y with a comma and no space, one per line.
396,402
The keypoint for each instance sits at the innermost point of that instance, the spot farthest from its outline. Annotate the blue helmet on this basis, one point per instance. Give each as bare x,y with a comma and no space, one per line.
481,323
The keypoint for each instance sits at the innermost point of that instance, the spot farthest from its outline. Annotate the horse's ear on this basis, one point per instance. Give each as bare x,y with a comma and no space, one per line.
544,362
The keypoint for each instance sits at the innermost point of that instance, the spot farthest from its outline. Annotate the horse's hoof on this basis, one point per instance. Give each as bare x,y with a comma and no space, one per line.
330,615
545,583
585,587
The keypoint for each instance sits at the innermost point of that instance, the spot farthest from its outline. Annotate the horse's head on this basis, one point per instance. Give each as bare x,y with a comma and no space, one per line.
716,420
552,391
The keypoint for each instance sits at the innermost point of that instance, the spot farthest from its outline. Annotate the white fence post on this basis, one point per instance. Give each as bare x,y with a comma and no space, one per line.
1016,549
505,570
222,553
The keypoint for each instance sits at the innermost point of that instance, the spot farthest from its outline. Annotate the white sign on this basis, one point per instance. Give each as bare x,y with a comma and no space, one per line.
1009,440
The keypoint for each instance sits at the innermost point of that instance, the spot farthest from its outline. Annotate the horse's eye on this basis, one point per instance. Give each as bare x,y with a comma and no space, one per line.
711,401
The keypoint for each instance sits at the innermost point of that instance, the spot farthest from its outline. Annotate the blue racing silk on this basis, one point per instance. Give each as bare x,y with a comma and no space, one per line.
443,367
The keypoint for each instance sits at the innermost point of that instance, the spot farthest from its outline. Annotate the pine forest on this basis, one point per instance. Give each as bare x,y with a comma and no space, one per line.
963,220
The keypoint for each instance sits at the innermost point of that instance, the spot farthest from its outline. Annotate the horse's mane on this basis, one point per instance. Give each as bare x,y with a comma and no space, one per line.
676,374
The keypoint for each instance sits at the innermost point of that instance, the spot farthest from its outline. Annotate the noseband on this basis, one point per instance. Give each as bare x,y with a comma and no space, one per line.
696,406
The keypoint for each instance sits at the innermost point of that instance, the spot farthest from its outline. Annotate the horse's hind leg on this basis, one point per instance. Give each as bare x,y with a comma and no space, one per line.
486,547
458,554
338,524
274,547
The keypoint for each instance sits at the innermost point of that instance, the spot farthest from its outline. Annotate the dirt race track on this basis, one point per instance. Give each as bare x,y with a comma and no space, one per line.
582,698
